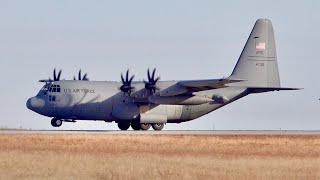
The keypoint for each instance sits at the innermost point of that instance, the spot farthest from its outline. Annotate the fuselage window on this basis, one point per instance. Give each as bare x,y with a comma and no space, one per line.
52,98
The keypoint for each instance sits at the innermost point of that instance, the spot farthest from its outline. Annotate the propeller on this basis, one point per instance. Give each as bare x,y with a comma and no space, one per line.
80,78
126,83
151,83
56,77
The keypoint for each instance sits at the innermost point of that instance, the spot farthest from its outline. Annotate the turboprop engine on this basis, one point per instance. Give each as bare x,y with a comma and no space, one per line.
179,100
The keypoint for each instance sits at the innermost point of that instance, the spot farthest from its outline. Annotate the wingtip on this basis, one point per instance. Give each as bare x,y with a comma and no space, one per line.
297,88
294,89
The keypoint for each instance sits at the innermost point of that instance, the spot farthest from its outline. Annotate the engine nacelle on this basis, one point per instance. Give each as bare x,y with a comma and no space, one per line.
179,100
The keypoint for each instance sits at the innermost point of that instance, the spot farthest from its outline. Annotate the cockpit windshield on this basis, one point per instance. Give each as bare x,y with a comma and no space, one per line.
44,90
49,88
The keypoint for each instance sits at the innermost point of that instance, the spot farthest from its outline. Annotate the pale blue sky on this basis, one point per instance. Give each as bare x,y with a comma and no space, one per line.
183,39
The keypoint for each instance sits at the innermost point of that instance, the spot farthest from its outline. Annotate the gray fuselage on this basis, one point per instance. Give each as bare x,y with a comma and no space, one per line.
102,100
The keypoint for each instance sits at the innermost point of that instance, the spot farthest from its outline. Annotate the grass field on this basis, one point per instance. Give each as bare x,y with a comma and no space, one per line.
98,156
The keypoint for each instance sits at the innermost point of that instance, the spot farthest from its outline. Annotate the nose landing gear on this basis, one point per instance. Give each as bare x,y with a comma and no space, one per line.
55,122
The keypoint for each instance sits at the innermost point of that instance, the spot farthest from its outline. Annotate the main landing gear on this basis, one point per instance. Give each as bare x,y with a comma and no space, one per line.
55,122
141,126
145,126
158,126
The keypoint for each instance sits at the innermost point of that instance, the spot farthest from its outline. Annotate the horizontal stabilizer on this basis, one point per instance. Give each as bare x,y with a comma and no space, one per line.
267,89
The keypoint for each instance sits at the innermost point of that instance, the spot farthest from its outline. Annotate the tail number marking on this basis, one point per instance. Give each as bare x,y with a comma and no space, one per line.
260,64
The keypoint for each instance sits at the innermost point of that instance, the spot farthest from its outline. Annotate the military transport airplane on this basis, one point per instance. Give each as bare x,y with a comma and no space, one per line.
142,104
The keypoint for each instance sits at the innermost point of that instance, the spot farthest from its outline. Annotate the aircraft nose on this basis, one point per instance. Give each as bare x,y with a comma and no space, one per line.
34,103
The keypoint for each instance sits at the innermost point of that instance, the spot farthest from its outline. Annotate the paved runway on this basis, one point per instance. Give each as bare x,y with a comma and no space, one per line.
215,132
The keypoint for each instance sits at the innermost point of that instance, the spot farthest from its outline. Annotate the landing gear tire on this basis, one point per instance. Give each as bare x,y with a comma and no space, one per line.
55,122
135,126
158,126
124,126
145,126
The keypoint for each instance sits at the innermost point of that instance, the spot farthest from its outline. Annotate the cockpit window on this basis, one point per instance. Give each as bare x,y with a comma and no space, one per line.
55,88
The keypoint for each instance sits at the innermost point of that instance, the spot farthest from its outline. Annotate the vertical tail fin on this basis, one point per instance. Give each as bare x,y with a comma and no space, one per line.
257,64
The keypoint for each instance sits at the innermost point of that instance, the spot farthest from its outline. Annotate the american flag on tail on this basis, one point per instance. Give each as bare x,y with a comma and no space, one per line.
260,46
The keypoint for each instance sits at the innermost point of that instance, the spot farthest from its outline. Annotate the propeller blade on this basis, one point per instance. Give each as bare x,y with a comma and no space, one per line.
153,73
127,76
131,80
122,79
149,75
59,74
79,75
156,80
85,77
54,74
145,82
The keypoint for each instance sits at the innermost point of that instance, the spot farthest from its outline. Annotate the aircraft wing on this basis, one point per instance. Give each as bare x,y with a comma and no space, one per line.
183,87
201,85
